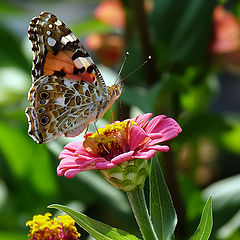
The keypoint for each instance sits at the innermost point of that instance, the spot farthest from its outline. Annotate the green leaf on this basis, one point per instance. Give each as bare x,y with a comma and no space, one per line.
230,139
27,159
12,235
91,26
95,228
162,211
205,226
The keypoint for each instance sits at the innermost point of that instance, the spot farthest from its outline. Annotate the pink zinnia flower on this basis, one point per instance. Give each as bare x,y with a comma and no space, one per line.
119,142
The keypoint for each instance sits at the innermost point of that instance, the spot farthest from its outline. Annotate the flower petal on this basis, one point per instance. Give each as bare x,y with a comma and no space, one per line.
168,127
159,148
115,161
73,146
122,157
145,154
155,125
77,163
105,165
141,119
136,136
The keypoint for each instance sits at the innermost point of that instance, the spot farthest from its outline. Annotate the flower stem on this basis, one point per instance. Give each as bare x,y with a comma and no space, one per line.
139,207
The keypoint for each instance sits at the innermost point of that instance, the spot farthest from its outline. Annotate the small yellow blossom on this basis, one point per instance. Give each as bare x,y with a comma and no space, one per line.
43,227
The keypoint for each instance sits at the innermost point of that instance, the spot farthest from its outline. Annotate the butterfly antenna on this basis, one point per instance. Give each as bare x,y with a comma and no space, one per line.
125,58
149,58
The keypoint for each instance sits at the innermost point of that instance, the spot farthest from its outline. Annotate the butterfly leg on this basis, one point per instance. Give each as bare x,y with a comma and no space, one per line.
112,114
100,138
86,129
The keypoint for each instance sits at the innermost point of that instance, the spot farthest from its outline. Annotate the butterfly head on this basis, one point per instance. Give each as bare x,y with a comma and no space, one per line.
115,91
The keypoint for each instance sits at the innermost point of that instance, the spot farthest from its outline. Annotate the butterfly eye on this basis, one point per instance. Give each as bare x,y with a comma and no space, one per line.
44,120
44,95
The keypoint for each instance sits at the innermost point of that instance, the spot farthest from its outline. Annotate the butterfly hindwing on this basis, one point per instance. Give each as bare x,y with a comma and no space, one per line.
61,104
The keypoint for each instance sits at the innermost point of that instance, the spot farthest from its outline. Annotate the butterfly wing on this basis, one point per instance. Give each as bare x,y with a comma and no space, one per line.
68,91
62,106
58,52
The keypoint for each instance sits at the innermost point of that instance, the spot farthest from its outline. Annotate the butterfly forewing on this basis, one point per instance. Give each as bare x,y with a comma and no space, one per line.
68,91
57,51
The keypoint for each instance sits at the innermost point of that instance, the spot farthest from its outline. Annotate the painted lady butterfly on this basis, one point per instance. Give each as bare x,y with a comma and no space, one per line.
68,91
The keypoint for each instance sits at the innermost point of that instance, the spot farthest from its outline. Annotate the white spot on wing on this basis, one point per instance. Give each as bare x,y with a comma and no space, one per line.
68,83
51,41
83,62
64,40
78,63
68,38
48,33
48,87
60,101
58,23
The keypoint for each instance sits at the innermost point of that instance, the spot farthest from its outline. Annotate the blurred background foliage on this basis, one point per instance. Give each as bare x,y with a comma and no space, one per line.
193,76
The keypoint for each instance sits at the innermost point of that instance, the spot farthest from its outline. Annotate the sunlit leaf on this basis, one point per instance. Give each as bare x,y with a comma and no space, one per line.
205,226
225,193
229,228
231,138
95,228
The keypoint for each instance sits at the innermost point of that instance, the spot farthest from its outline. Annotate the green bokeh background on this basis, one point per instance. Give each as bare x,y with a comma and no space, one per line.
181,81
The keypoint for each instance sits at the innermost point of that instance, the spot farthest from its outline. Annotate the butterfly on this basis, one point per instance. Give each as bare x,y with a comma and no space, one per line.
68,91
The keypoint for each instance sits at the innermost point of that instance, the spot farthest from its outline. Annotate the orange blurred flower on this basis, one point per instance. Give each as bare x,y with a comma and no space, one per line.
226,32
109,48
225,44
111,12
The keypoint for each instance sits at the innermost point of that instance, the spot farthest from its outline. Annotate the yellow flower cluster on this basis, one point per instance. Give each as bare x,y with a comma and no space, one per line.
107,134
43,227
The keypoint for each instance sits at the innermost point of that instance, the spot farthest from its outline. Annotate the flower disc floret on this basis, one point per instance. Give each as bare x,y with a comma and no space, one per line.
109,138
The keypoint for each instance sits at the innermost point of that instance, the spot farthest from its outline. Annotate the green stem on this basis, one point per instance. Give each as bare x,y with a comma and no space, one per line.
139,207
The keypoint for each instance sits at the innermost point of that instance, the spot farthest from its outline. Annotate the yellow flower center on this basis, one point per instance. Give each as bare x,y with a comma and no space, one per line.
110,136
